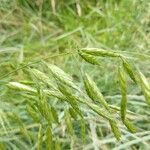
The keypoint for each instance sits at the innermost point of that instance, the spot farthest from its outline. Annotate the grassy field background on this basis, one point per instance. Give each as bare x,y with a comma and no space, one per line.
53,31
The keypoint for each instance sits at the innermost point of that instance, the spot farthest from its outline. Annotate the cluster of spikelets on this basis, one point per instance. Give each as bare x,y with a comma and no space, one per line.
67,91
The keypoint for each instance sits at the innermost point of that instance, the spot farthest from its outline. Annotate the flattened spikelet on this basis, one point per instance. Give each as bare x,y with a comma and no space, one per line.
83,130
123,108
41,76
89,58
100,52
32,113
70,98
145,86
115,130
129,70
73,113
21,87
129,125
93,91
123,87
69,123
55,115
61,76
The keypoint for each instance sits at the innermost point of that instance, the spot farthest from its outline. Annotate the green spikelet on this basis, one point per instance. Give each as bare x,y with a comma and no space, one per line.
32,113
69,123
89,58
73,113
100,52
21,87
70,98
123,108
115,130
129,125
129,70
61,76
93,91
123,87
55,115
83,130
44,108
145,86
41,76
